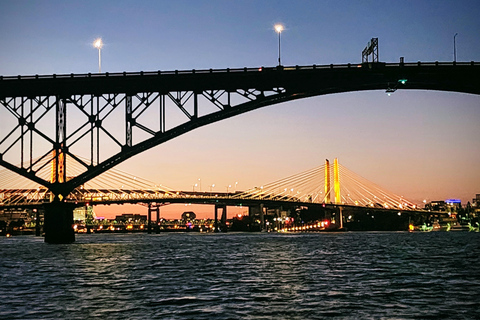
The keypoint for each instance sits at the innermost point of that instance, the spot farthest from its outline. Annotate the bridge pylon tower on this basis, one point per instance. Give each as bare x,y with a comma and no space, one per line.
327,198
336,182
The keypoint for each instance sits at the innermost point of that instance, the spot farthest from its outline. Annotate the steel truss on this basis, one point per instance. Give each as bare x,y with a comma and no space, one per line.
98,121
90,128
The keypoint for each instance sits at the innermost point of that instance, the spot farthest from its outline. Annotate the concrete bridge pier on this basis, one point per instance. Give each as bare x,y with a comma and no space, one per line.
149,219
153,209
223,220
38,232
157,225
278,215
339,217
58,222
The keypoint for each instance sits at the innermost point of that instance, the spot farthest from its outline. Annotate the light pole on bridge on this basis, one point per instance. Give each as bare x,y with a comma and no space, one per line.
454,48
99,44
279,28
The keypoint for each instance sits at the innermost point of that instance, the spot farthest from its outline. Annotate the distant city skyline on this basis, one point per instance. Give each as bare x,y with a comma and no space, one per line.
423,145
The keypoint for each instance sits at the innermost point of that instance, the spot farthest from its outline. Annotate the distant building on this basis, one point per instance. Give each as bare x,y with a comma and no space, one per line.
435,206
188,216
453,203
476,200
15,214
84,214
476,204
131,217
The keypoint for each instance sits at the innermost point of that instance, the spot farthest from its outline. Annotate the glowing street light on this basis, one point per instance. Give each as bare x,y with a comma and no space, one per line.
99,44
278,29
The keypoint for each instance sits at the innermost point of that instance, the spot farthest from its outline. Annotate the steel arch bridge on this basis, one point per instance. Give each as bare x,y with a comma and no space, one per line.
47,118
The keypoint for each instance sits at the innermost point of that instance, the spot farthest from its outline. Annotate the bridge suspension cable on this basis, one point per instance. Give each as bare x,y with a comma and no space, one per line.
314,186
114,183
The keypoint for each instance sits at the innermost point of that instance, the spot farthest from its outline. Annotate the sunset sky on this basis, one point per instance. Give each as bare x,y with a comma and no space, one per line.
420,144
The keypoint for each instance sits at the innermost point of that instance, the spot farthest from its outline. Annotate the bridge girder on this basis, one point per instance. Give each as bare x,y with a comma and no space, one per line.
99,101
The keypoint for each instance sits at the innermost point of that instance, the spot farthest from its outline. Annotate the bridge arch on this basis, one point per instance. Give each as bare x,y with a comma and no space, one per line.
230,92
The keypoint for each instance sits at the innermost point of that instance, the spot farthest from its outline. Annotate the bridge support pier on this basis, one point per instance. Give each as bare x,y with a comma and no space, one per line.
37,223
153,209
58,222
223,219
339,217
157,224
149,219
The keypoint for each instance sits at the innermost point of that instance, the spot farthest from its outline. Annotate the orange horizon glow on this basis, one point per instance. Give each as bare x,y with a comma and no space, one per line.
170,212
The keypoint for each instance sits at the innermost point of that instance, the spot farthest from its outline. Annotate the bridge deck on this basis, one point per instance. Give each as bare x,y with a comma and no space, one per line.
232,79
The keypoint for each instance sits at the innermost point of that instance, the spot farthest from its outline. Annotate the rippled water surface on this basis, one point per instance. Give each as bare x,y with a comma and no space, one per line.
243,276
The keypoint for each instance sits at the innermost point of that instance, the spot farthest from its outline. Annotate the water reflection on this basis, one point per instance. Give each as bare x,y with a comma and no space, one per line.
241,276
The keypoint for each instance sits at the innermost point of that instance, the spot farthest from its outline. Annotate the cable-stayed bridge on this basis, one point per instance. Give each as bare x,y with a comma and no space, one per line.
328,184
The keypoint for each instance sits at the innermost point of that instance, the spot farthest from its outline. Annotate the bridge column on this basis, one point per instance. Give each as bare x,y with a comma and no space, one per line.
327,182
157,226
262,216
215,225
339,217
223,220
153,209
149,219
37,222
336,182
58,222
277,216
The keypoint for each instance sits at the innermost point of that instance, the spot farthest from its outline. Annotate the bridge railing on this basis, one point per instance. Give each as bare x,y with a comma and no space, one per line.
235,70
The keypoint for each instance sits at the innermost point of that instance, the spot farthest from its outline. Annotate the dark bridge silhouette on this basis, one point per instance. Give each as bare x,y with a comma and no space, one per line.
201,97
258,87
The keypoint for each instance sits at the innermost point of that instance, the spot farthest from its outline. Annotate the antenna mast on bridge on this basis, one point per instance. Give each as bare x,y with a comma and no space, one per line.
370,49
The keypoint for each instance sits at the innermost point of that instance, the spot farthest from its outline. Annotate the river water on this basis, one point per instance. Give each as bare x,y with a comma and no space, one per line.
364,275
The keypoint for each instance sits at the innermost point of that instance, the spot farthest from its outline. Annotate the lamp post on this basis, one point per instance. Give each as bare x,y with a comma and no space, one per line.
99,44
454,48
278,29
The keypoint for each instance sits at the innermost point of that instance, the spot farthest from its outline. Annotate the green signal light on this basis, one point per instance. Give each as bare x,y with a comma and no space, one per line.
402,81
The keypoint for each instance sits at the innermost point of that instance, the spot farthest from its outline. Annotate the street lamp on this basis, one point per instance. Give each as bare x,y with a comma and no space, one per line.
99,44
278,29
454,48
